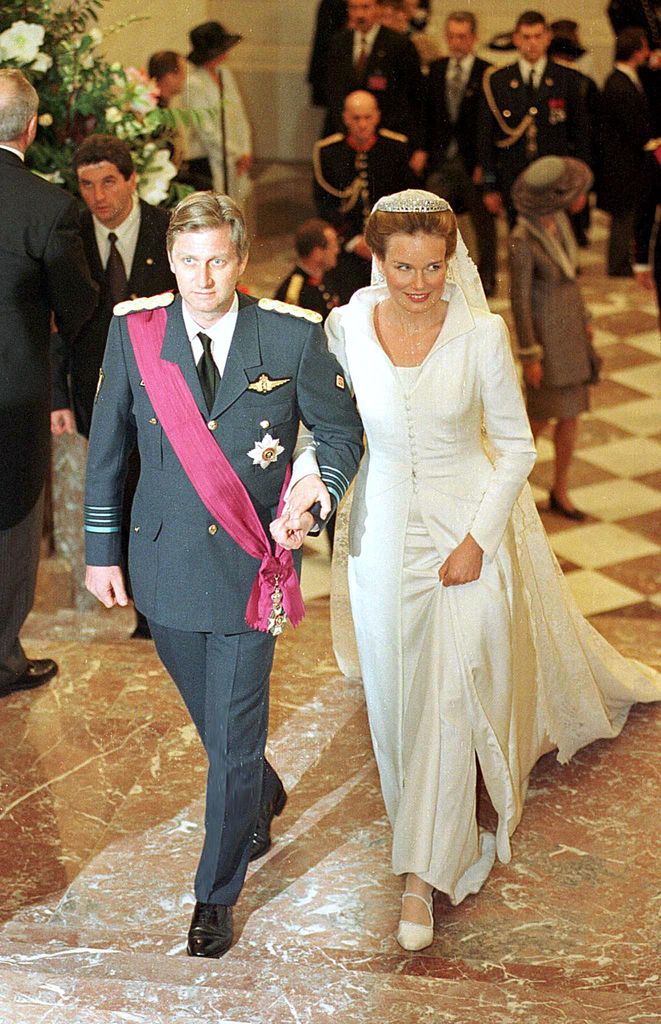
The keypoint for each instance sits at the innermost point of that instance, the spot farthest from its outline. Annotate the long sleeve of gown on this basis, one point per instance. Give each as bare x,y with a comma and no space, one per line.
510,441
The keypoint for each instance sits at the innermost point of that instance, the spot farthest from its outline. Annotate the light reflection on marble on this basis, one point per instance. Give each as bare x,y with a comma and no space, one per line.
97,854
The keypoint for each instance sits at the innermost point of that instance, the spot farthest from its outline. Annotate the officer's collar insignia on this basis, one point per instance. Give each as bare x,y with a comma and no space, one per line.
514,84
275,306
265,384
140,304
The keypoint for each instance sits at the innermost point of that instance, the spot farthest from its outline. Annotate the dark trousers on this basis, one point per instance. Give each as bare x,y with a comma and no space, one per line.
19,559
621,242
452,181
224,682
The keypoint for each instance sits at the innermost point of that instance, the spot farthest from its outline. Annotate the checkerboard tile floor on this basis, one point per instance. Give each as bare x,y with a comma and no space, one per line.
612,561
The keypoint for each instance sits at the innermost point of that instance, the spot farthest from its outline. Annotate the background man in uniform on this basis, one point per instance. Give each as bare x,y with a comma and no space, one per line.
454,90
310,283
42,269
351,171
245,374
531,108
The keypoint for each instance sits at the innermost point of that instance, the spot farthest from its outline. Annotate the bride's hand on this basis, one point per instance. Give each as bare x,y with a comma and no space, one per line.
464,564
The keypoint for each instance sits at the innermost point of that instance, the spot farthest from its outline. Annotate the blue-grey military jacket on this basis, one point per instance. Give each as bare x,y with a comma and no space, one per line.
186,571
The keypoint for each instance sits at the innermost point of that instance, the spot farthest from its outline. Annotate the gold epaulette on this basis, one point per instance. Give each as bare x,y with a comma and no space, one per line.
276,306
294,289
140,304
330,139
397,136
512,134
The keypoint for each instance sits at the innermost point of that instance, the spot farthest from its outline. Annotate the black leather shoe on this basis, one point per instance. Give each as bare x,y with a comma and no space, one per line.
142,630
273,802
38,672
210,932
569,513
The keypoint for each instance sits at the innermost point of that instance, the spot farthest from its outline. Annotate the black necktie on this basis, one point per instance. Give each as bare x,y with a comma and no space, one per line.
118,284
207,371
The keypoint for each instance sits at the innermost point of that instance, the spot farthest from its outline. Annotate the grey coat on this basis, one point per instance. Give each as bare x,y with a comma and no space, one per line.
549,314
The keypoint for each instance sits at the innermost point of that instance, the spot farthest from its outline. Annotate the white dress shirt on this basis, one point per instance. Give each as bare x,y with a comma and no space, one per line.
539,67
369,38
127,237
10,149
221,334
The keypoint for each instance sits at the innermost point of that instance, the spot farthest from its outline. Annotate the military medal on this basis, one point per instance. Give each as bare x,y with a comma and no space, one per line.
278,617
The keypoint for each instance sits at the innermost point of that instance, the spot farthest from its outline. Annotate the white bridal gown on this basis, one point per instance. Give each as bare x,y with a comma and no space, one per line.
504,668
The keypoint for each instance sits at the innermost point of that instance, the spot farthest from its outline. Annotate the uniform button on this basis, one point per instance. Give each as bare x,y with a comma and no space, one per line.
533,111
153,421
136,529
212,424
213,529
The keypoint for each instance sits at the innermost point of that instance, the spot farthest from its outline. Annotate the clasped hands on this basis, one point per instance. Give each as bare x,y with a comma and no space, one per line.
290,529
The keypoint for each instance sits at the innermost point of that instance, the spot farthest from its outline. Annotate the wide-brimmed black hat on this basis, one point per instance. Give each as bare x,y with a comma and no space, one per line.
550,184
210,40
563,46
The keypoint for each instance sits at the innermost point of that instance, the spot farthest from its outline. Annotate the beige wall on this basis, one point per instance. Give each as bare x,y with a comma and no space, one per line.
271,62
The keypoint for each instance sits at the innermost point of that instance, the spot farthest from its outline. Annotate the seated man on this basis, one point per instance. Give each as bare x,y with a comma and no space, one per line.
353,169
308,285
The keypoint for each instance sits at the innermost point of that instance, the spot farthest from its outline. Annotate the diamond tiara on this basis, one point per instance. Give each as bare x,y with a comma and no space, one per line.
412,200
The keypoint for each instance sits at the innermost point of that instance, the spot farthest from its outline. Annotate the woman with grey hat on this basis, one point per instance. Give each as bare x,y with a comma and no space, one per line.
552,325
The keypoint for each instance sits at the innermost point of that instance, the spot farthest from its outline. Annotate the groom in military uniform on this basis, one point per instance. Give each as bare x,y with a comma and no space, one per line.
213,385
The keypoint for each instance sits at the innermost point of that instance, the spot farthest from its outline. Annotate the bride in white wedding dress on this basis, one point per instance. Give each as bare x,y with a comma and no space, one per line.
470,645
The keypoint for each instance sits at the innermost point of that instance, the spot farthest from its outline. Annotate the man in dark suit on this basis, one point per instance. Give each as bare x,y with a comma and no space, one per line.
370,57
42,271
625,174
124,242
353,169
331,17
531,108
213,384
454,88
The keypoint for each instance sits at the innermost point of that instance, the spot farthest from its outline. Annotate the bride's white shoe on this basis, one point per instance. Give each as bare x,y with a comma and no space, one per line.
414,936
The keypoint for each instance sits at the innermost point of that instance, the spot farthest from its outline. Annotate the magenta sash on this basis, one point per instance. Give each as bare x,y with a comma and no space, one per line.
211,473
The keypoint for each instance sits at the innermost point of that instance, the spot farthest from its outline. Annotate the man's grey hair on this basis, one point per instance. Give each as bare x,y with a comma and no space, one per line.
18,103
465,16
204,211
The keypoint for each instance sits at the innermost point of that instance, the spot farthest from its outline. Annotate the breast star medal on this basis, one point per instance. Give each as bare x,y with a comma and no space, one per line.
266,451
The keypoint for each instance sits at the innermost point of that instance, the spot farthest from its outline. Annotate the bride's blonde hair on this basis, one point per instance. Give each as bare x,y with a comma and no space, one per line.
382,224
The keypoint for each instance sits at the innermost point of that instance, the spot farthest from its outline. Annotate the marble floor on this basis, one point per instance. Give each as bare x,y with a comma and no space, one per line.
102,782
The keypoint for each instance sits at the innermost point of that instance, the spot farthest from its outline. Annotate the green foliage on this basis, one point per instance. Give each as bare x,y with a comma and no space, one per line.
56,44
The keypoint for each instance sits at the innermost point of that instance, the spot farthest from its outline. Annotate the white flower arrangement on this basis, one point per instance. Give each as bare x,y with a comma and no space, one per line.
55,43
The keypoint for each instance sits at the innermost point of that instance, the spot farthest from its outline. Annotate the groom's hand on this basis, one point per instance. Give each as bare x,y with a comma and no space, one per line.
290,531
